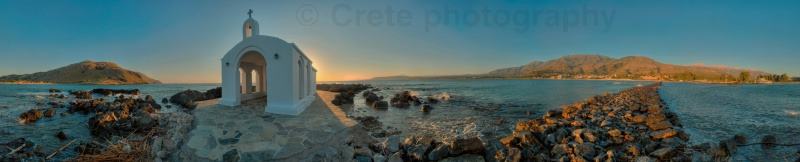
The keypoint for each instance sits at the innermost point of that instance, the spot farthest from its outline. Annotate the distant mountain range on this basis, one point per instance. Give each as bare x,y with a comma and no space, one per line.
86,72
603,67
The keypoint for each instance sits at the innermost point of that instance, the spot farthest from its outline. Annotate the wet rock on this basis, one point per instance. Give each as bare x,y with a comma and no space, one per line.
432,100
404,99
662,134
416,147
28,151
615,133
53,90
228,141
369,122
664,153
657,122
768,142
89,148
50,112
395,157
343,98
426,108
441,151
378,158
363,151
371,97
61,135
343,87
392,143
164,101
143,120
111,92
645,159
634,150
472,145
740,139
586,150
464,158
122,117
213,93
361,158
87,106
81,94
231,156
380,105
30,116
187,98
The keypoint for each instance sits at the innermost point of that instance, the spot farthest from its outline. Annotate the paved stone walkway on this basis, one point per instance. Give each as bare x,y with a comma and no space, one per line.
247,133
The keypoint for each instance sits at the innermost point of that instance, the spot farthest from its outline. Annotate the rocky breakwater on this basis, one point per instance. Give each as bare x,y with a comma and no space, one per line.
632,125
346,92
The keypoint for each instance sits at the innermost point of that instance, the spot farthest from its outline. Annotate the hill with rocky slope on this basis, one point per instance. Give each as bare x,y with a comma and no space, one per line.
86,72
631,67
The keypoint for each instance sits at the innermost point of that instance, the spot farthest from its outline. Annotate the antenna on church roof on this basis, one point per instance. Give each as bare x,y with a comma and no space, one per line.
250,13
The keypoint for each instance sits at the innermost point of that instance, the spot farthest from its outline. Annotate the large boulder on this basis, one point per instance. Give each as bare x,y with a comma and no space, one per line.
30,116
81,94
213,93
187,98
380,105
343,98
371,97
472,145
404,99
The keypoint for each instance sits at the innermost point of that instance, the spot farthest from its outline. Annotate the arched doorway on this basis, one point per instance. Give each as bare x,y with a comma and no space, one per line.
253,67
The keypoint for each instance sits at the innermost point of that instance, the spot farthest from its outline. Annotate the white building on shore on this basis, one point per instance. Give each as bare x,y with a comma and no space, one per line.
265,67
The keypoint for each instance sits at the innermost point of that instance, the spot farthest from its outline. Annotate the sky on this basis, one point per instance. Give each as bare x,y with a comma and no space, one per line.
183,41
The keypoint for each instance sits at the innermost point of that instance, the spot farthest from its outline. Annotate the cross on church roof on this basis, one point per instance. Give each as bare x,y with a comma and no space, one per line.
250,13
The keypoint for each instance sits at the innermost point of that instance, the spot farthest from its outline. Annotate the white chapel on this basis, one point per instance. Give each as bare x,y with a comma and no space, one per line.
265,67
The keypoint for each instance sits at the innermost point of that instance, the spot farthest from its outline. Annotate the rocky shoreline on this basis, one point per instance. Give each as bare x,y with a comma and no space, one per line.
128,128
631,125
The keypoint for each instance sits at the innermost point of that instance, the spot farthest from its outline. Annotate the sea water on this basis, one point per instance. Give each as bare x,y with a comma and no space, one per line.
711,112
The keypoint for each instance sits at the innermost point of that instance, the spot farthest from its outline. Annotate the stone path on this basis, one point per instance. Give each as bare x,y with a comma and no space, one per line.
246,133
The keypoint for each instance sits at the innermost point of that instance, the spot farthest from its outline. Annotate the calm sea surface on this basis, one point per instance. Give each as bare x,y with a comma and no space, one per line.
478,107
